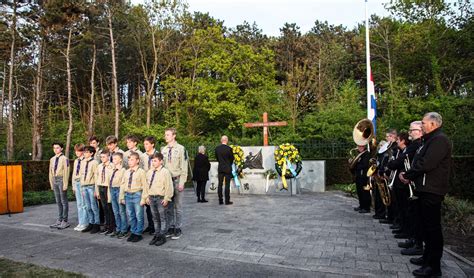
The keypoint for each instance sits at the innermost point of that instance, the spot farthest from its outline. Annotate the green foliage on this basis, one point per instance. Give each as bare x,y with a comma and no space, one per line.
33,198
458,215
350,189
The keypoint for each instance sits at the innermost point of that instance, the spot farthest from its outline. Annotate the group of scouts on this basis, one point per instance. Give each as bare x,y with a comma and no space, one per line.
417,167
117,186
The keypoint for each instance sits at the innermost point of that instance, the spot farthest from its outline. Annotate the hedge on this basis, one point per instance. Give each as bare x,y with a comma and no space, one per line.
35,175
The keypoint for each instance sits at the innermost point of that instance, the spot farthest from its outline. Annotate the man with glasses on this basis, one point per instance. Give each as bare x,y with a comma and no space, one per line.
430,171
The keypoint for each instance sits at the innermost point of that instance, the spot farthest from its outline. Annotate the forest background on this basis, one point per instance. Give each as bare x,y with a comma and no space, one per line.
71,69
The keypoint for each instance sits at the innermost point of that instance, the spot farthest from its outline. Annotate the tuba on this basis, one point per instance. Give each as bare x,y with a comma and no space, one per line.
362,134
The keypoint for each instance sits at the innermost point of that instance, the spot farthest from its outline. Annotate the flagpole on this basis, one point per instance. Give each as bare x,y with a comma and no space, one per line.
371,103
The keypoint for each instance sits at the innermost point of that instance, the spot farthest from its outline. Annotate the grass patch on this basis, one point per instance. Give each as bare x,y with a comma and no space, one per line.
10,268
33,198
350,188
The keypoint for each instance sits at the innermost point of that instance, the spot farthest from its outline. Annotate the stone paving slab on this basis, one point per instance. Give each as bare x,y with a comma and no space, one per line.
311,235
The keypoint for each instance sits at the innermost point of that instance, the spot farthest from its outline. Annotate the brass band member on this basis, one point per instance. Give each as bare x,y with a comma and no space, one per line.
382,159
361,179
430,170
414,245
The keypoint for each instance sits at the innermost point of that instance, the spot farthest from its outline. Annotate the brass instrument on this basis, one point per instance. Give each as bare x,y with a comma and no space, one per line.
363,132
411,184
380,182
354,157
393,173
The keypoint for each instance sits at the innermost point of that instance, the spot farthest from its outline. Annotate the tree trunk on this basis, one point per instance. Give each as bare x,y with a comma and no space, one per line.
91,114
2,101
69,93
114,75
37,148
10,149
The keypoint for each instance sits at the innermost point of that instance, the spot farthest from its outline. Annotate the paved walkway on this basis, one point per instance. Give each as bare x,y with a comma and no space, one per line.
312,235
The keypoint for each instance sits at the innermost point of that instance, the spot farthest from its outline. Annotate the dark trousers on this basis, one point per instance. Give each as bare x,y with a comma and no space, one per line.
101,213
402,194
149,217
430,208
159,217
392,209
379,207
200,189
224,178
109,223
363,195
61,198
414,221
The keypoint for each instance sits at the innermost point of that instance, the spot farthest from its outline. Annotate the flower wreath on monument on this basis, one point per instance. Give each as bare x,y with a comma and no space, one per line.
238,164
288,162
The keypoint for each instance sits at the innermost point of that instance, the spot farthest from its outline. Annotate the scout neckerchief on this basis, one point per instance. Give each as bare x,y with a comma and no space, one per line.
56,162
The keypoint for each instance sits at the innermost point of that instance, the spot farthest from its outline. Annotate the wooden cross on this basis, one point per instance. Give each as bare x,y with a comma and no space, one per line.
265,126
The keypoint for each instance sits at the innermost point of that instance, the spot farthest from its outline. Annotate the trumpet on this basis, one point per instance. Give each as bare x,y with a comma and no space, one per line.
411,184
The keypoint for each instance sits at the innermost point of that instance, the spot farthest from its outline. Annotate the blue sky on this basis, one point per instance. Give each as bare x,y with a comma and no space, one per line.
270,15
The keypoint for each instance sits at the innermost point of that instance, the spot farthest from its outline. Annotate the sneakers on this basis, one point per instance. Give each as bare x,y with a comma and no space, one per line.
136,238
131,238
55,225
63,225
88,228
109,233
77,228
121,235
177,233
95,229
153,241
160,240
103,232
170,232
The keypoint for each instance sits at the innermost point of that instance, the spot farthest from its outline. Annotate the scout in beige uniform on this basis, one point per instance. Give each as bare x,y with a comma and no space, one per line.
157,194
112,146
76,187
116,180
175,159
149,145
59,179
131,194
88,169
95,142
102,181
132,142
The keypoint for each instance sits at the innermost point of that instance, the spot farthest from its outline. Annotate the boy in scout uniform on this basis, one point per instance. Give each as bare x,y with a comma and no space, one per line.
95,142
157,194
116,180
102,181
149,145
76,187
59,179
112,145
132,142
131,194
88,169
175,159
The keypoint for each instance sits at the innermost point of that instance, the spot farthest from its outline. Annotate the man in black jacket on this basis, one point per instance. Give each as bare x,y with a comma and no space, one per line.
225,157
430,171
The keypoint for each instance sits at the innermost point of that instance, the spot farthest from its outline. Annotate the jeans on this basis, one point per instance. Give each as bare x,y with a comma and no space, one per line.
120,212
134,212
81,205
91,204
158,212
61,198
174,210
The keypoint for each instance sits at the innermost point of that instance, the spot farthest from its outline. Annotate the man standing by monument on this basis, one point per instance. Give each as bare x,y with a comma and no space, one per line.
225,158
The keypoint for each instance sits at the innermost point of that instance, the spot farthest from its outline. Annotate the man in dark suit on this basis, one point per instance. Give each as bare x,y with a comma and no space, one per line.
225,158
430,171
